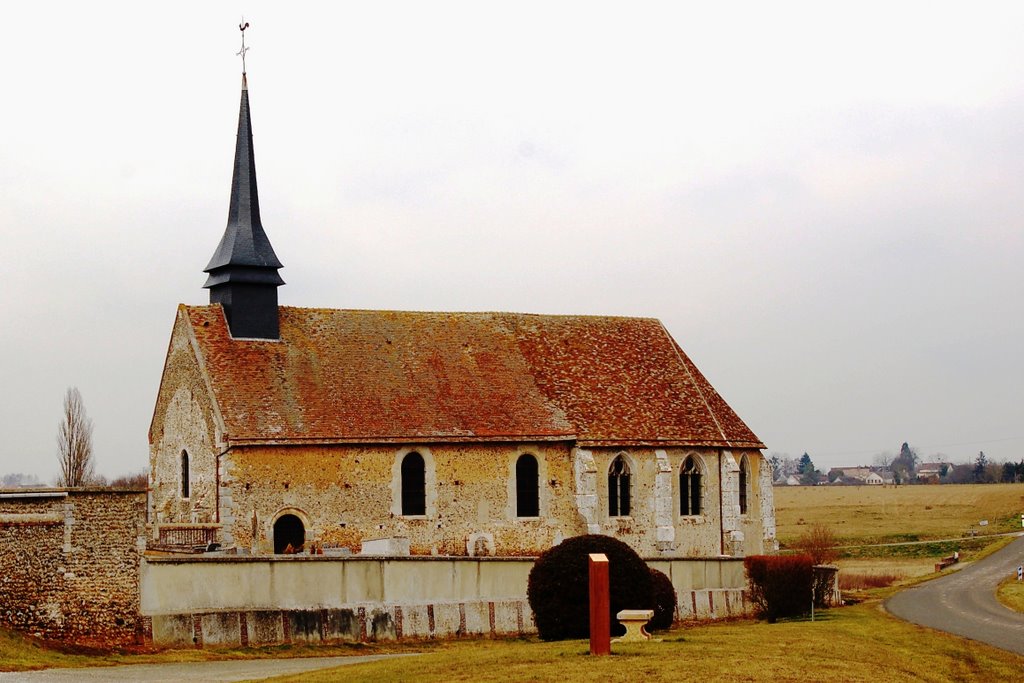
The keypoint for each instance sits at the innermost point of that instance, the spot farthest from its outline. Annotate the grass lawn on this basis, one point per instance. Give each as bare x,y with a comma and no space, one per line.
857,643
1011,593
877,514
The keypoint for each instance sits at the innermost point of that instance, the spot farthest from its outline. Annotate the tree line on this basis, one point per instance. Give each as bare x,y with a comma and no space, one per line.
905,468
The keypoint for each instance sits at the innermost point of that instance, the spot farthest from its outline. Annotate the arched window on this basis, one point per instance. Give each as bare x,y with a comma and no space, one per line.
618,488
289,532
690,487
527,489
414,486
744,483
184,475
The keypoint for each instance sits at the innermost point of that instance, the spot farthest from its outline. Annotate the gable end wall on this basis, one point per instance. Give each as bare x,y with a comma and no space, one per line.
184,420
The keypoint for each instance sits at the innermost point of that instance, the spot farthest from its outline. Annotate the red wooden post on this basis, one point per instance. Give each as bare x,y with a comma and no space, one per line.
600,614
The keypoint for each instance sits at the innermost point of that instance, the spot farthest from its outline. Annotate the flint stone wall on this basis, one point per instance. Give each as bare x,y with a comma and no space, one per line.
69,564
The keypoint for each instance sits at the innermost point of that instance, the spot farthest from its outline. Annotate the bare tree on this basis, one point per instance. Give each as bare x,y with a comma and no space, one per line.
133,480
74,442
819,542
883,460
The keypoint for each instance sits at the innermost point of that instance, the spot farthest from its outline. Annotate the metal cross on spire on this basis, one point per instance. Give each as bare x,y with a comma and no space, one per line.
241,53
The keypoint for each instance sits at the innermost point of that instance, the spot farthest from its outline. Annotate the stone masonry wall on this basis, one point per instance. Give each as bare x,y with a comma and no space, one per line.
345,494
69,564
655,525
184,421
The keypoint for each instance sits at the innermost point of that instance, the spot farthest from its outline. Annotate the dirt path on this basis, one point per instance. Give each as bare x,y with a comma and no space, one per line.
965,603
234,670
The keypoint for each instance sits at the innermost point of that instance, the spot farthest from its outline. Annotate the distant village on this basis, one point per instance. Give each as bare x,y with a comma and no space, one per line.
888,470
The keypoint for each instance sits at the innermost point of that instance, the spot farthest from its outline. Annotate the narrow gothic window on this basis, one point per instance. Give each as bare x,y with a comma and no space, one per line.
184,474
689,488
527,489
414,488
744,483
618,488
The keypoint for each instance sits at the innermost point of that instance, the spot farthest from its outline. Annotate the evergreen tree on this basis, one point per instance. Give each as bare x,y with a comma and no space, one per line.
980,463
808,474
904,465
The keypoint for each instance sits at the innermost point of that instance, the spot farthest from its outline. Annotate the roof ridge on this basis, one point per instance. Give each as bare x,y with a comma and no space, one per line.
325,309
589,316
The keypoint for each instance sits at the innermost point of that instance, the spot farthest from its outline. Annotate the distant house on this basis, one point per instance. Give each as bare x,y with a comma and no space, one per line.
849,475
859,473
860,476
933,471
887,476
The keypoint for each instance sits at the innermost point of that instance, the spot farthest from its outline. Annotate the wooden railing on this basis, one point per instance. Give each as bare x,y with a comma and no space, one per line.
187,535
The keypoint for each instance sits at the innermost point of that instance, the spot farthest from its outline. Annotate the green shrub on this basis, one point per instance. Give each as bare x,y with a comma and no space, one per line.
664,601
780,585
559,585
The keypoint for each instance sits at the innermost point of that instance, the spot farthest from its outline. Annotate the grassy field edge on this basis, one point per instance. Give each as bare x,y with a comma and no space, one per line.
857,643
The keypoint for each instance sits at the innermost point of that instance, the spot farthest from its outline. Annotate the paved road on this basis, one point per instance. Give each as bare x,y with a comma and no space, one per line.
964,602
235,670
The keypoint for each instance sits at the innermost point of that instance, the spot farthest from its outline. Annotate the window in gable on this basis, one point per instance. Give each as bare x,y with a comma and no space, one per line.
414,488
527,488
690,487
618,488
744,483
184,475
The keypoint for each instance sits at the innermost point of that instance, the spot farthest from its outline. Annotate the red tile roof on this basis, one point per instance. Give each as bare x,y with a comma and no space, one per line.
379,376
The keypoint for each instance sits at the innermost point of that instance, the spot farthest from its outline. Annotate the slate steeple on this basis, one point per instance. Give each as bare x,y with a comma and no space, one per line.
243,270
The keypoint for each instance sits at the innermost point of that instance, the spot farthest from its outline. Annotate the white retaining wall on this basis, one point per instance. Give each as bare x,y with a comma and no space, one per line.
232,600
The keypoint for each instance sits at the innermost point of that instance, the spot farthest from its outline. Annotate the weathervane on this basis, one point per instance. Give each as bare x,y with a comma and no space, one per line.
241,53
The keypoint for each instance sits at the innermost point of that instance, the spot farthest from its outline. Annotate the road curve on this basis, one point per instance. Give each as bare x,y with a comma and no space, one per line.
965,603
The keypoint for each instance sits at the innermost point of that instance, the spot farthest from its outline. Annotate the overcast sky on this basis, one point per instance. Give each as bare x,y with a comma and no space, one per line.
823,204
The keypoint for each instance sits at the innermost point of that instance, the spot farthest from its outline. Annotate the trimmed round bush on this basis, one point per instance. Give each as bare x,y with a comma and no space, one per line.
559,585
664,601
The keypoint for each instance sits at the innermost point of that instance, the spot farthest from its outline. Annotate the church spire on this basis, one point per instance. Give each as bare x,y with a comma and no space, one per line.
243,271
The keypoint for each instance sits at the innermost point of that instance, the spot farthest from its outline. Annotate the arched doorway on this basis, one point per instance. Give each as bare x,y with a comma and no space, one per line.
288,530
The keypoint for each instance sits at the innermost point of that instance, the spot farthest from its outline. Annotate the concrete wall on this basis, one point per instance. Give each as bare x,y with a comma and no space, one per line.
69,563
227,600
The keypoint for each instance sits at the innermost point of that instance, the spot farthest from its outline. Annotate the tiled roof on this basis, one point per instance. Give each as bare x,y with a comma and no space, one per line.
377,376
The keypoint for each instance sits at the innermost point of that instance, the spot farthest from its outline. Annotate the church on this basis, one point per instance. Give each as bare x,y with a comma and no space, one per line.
280,429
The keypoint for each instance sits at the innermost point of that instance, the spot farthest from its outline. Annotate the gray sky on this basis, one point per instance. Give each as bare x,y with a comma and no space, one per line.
822,203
